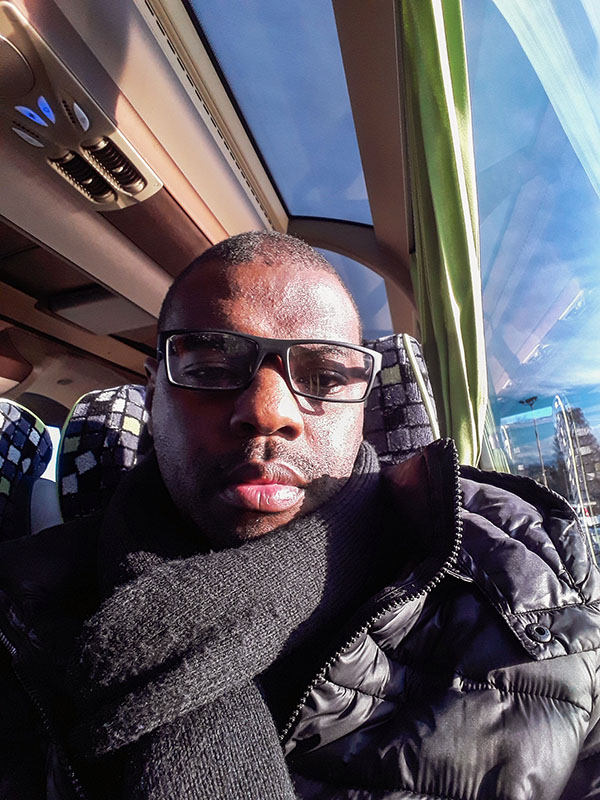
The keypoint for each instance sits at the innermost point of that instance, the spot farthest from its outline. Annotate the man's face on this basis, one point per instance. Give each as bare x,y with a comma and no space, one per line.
240,463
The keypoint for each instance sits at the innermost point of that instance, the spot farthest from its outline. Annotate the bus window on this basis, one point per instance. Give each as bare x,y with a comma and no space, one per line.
538,187
368,289
294,98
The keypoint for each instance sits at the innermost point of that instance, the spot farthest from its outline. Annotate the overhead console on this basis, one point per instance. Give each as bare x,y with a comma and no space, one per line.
108,160
43,104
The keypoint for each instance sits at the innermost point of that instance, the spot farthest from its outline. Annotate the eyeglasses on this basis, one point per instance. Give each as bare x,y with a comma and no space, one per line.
224,360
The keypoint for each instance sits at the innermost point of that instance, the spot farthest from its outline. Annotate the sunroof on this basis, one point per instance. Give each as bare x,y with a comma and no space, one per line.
535,80
283,64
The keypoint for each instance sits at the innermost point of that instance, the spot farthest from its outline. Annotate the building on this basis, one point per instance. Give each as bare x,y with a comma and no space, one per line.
579,453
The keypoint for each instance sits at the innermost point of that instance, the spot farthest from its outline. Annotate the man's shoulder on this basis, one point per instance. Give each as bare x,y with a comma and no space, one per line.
503,506
519,542
51,563
526,550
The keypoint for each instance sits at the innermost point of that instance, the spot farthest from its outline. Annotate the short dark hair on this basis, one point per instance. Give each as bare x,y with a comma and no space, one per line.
270,246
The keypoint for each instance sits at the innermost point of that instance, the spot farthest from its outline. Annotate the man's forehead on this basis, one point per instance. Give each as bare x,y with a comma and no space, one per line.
258,296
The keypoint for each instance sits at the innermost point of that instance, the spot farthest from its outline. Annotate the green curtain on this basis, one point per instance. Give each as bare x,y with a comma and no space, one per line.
445,265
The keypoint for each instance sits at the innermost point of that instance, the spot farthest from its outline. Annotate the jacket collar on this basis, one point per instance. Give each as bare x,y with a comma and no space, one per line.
424,492
524,548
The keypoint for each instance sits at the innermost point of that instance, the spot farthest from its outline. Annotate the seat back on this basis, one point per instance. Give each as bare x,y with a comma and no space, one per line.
102,437
25,451
400,414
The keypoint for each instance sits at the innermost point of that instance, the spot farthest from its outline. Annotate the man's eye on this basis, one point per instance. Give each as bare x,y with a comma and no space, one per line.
321,381
208,374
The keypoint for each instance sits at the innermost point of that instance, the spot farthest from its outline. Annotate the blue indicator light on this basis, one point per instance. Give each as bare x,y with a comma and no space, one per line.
45,109
32,115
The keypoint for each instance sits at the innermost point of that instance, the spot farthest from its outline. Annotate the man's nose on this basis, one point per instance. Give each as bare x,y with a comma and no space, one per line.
267,406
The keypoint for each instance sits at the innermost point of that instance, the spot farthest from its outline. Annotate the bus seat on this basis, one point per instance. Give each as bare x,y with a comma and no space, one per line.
25,451
400,415
102,437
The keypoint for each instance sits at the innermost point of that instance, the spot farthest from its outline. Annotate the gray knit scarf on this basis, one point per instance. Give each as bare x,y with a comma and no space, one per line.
165,672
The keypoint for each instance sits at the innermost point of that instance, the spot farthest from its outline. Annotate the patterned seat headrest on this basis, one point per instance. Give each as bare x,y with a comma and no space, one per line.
103,436
400,416
25,451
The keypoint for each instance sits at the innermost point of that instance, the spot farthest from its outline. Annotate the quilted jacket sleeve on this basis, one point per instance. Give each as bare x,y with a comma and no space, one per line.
584,783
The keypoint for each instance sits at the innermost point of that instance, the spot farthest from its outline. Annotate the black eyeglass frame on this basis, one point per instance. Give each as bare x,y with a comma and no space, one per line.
267,347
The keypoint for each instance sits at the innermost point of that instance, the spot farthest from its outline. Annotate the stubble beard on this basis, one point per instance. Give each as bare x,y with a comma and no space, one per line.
196,493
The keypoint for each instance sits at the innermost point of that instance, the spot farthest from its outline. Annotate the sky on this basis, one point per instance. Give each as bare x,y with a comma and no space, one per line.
286,73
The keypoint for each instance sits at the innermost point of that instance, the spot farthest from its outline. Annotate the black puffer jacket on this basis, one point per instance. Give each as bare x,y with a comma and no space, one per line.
472,677
476,677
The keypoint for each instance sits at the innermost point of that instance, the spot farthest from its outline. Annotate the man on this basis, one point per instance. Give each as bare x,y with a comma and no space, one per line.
258,579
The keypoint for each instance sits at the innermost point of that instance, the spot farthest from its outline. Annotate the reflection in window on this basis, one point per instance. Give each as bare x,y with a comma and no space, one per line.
538,185
368,290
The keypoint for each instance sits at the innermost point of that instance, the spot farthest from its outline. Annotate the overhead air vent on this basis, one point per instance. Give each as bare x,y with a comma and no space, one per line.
84,177
67,109
108,156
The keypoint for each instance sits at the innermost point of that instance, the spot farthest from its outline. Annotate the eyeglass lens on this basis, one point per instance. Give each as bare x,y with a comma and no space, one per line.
226,361
328,370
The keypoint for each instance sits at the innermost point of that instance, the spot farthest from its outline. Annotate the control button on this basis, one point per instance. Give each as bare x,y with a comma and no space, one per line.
45,109
82,118
28,137
32,115
538,633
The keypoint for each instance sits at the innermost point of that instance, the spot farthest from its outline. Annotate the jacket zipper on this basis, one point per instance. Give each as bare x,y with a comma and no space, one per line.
432,583
44,718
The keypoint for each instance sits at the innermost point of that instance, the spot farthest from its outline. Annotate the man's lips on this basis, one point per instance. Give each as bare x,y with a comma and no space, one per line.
267,486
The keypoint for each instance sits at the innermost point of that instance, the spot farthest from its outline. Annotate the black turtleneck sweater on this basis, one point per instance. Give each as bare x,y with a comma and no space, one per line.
170,670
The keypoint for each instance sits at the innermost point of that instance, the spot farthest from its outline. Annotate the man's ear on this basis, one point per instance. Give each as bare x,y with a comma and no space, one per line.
150,366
